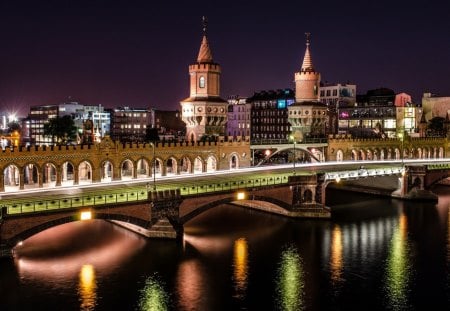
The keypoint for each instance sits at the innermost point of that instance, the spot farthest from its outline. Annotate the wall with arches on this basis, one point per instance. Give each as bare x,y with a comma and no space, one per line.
346,148
53,166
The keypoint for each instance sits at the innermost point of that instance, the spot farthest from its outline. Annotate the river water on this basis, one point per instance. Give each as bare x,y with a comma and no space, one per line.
374,254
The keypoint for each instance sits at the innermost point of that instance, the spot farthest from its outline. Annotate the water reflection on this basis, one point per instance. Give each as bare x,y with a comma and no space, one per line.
87,288
153,296
290,282
190,285
336,260
240,264
398,268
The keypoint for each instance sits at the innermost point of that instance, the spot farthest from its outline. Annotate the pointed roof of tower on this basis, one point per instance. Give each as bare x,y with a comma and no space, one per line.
307,61
204,54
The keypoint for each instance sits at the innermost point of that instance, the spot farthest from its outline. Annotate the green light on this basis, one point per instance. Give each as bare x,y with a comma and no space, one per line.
398,269
153,296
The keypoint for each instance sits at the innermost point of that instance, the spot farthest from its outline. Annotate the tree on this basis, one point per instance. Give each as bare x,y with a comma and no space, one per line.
436,126
151,134
60,129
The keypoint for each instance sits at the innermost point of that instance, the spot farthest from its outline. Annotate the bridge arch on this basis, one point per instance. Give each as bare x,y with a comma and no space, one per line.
142,168
84,169
339,155
68,173
185,164
106,170
22,235
171,166
127,169
211,163
269,202
49,174
11,176
31,174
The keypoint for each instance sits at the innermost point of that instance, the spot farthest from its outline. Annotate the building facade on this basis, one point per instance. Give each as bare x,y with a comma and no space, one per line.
129,124
269,115
335,96
239,113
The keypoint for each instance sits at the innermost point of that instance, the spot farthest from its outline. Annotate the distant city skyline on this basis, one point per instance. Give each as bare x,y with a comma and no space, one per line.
113,53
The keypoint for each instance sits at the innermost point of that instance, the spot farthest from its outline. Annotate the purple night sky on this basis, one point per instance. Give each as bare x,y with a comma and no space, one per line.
136,53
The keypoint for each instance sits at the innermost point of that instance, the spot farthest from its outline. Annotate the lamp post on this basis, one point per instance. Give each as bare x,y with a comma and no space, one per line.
293,140
154,166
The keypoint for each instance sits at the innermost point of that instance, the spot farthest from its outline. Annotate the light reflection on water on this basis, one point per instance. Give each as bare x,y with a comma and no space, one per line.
398,267
153,296
336,260
290,282
240,264
87,288
234,259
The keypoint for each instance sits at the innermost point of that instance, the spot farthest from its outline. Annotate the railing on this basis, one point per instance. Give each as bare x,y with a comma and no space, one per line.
234,185
134,196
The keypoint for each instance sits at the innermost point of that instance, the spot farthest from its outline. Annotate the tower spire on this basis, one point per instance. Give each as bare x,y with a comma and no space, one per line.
307,61
204,54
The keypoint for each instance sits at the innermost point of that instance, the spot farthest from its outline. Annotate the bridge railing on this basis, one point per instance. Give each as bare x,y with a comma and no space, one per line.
73,202
233,185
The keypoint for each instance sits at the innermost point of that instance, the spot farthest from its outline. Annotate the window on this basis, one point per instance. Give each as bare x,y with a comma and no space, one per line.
201,82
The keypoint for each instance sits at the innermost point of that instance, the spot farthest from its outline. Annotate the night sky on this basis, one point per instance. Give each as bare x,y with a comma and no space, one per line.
137,54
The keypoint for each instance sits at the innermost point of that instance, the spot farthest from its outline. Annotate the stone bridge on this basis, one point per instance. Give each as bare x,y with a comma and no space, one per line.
166,212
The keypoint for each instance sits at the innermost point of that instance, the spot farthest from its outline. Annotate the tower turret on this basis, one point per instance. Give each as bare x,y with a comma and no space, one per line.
307,80
307,115
204,111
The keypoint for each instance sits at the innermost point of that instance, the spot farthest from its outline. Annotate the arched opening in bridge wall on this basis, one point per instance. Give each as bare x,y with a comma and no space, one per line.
405,153
354,155
30,176
211,164
417,183
389,154
49,175
369,155
198,165
362,155
441,152
185,166
234,161
142,169
397,154
106,171
171,166
158,169
339,156
84,173
126,170
11,178
382,154
67,174
307,196
419,153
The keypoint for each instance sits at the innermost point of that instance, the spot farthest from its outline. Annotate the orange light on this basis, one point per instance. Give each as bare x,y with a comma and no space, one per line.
241,195
86,215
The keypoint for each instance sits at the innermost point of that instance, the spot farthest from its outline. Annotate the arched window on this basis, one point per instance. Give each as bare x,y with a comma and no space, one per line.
201,82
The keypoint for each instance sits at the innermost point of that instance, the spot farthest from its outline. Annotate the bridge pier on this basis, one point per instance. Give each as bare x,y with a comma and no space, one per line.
309,196
411,184
165,211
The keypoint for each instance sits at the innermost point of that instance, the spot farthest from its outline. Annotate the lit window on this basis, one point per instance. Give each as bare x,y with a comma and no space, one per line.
201,82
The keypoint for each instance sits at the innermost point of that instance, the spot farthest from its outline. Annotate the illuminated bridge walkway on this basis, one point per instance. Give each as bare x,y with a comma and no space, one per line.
163,212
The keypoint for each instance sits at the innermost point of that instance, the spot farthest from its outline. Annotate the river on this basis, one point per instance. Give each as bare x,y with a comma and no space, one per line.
373,254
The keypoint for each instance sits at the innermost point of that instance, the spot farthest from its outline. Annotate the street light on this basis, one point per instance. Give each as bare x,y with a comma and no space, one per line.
154,167
293,140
